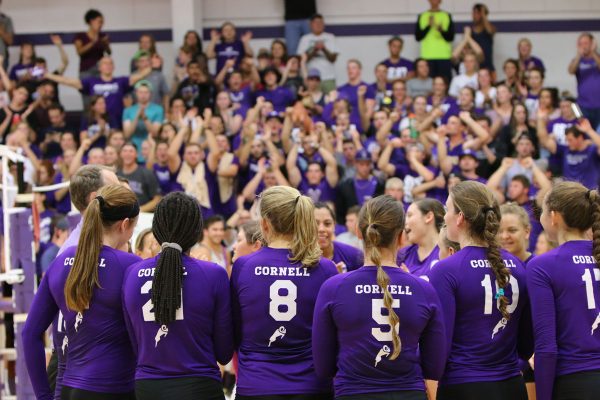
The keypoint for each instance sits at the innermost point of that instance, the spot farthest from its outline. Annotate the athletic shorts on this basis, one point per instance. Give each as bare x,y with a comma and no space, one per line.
509,389
398,395
190,388
69,393
320,396
583,385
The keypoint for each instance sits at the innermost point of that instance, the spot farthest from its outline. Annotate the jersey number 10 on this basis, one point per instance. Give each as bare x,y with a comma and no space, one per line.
489,296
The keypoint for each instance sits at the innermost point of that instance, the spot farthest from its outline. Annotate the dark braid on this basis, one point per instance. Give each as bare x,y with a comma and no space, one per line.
492,225
177,219
595,202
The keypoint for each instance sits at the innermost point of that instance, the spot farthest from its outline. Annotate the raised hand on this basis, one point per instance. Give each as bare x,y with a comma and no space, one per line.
56,40
247,36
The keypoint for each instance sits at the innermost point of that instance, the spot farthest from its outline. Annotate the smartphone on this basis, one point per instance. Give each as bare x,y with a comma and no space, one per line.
576,110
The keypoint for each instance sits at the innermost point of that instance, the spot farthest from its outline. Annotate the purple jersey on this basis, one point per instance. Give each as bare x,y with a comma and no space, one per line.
352,257
483,345
243,100
321,192
201,334
226,51
281,97
98,352
398,70
536,227
113,92
581,166
365,189
565,303
409,256
352,337
350,93
533,62
166,179
588,83
273,303
558,127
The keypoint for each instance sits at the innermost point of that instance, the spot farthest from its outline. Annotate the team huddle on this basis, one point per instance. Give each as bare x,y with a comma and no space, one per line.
462,322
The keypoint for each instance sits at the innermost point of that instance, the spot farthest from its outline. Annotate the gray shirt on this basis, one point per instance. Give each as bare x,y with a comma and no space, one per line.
143,183
6,24
419,87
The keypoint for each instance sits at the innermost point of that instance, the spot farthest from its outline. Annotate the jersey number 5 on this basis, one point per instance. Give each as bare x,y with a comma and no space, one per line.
376,313
487,285
148,306
283,307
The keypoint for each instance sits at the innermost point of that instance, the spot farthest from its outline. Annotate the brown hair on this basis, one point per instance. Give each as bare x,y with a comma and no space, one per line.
291,214
579,208
381,221
433,206
86,180
480,209
83,276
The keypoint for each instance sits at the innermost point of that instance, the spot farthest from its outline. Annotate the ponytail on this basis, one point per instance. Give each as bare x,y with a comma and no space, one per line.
381,221
177,224
492,225
595,203
83,276
304,246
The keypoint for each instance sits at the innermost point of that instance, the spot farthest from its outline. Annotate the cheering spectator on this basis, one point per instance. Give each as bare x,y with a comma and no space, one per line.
23,70
321,51
398,67
146,44
530,94
586,67
6,37
142,181
160,89
60,232
280,96
144,117
468,78
229,47
511,134
360,98
526,60
279,54
91,45
349,237
197,90
192,41
421,84
16,111
511,75
381,87
482,32
548,102
485,97
522,164
435,31
112,88
466,46
319,185
95,125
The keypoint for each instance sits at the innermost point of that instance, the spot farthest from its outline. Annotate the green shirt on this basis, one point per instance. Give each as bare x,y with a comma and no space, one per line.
434,46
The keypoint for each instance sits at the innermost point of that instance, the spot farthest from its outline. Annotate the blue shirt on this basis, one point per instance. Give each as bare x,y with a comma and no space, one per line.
154,113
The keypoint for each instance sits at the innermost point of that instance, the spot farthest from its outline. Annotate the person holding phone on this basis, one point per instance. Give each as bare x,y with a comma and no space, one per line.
585,68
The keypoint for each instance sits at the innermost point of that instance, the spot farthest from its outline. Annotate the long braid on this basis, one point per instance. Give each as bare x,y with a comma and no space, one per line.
595,203
177,220
492,224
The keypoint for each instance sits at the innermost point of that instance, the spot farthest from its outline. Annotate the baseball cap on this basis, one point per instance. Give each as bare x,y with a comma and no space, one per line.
62,224
144,82
141,53
313,73
362,155
468,152
274,114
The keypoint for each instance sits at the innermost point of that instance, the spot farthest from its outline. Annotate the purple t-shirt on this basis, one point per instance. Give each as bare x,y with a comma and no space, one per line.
273,302
166,179
533,62
536,227
365,189
281,97
565,304
588,83
581,166
200,336
398,70
350,93
483,345
99,354
225,208
351,256
321,192
242,97
352,339
226,51
62,206
19,71
113,92
409,256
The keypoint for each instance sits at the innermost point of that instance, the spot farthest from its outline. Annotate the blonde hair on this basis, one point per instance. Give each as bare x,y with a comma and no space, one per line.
83,276
291,214
518,211
381,221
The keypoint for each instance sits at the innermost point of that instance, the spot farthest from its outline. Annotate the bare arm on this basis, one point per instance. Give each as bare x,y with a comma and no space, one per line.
479,131
542,131
294,174
444,161
64,58
286,131
214,154
4,76
574,64
365,118
63,80
151,205
331,170
139,75
220,78
384,160
78,159
494,182
246,37
210,48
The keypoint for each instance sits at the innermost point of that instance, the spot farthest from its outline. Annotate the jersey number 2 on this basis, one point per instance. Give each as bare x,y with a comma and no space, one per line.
148,306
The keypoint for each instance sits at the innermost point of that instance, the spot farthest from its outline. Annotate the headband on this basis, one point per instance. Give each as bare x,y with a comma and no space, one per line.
117,213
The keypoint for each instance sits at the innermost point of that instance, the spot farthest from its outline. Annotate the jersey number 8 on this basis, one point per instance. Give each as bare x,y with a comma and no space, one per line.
148,306
286,302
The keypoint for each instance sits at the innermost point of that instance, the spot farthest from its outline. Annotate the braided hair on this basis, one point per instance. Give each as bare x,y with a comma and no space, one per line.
177,221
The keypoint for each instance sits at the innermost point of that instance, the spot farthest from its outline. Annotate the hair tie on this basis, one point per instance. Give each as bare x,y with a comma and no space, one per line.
588,195
101,201
487,209
499,293
172,246
297,199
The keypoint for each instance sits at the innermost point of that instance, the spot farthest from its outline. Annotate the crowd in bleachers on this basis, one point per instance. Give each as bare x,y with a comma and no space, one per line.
280,116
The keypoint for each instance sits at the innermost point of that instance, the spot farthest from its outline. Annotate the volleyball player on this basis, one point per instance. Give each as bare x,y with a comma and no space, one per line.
447,247
484,300
379,330
248,240
514,231
178,311
273,297
84,284
345,257
565,296
424,219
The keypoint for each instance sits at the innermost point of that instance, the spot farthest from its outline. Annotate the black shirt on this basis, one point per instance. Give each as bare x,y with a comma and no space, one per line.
300,9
